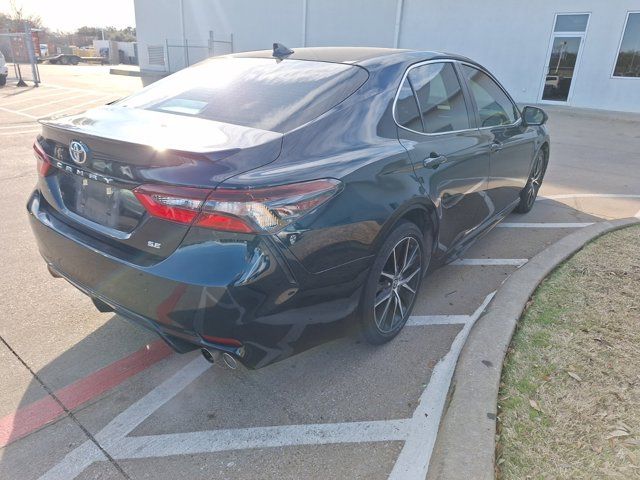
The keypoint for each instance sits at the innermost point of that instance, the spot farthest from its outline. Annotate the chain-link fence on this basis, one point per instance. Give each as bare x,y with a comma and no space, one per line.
180,55
19,53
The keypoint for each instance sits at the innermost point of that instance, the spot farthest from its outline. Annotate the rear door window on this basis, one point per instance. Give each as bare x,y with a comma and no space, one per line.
494,106
253,92
407,113
440,97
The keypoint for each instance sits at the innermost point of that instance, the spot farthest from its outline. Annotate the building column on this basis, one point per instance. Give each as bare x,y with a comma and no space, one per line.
396,35
304,23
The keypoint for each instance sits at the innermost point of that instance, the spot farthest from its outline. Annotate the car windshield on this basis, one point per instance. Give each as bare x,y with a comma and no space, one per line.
253,92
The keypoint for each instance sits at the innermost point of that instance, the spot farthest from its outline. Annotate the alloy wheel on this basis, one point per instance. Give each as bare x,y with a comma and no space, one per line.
535,180
397,285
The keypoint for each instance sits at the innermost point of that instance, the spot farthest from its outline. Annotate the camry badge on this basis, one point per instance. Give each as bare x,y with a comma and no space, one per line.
78,152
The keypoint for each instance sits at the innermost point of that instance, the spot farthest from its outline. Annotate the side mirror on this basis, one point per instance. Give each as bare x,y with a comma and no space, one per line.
534,116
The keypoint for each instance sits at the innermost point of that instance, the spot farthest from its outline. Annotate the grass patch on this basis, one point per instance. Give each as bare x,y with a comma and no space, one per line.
569,401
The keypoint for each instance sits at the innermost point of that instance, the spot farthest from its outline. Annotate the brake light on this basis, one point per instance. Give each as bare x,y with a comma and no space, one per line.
219,221
176,204
252,210
265,209
44,165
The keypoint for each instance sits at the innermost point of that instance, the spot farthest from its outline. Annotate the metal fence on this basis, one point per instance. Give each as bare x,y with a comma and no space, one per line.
19,54
181,55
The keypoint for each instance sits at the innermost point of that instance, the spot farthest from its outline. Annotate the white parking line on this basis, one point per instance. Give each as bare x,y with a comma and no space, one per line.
421,320
76,89
589,195
418,432
59,100
543,225
490,262
97,101
41,96
70,467
20,132
28,115
75,462
413,461
151,446
19,125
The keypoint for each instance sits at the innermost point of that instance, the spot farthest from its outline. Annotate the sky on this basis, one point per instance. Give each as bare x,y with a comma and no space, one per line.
68,15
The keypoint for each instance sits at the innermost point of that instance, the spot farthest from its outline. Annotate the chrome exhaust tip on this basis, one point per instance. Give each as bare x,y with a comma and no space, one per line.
229,361
208,356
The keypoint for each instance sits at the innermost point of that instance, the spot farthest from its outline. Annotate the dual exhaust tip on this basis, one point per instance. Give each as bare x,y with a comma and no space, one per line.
212,356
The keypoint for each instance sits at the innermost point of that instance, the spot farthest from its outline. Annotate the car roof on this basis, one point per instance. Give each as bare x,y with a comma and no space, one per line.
364,56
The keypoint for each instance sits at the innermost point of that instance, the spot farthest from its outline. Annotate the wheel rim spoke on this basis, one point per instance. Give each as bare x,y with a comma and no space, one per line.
387,275
404,285
397,291
409,277
411,259
393,313
385,311
406,255
399,302
395,262
385,297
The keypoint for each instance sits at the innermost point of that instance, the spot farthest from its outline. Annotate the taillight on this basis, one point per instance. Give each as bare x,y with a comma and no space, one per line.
44,165
176,204
266,209
251,210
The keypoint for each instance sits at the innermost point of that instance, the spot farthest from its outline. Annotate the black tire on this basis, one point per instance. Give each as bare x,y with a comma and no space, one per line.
64,60
390,285
529,193
3,80
74,61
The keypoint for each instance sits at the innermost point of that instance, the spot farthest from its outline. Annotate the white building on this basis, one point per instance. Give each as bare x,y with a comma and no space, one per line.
583,53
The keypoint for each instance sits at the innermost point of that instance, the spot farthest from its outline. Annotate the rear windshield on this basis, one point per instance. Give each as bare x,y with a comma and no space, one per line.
252,92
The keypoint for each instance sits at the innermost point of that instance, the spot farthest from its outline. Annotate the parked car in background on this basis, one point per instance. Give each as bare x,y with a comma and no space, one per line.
4,70
258,206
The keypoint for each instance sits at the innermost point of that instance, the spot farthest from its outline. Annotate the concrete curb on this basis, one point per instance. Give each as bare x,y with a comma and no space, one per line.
465,446
122,71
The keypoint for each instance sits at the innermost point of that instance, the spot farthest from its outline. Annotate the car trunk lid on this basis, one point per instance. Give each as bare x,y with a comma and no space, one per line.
118,148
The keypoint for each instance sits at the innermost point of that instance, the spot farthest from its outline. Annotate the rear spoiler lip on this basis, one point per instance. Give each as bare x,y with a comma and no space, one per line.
194,153
63,123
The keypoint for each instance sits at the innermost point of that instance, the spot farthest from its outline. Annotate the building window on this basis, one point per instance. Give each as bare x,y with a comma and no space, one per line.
628,62
571,23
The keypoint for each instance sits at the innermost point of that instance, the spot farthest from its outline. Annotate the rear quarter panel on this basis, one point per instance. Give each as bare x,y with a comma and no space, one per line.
356,143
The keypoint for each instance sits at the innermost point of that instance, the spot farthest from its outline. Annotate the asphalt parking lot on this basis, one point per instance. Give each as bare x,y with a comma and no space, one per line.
87,395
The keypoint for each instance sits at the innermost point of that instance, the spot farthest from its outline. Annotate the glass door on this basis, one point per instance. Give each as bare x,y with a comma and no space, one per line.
568,36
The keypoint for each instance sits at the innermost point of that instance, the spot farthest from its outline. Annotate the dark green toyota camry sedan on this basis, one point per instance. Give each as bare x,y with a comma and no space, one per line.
260,203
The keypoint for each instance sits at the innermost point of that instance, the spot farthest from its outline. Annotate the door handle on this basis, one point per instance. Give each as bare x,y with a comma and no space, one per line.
496,146
434,161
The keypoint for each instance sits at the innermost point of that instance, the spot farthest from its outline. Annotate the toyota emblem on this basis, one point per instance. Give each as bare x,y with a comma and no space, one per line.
78,151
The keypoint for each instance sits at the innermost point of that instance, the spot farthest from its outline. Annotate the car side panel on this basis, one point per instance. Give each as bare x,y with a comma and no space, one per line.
511,165
457,186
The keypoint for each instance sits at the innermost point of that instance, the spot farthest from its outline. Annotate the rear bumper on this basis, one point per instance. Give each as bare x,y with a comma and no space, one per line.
238,295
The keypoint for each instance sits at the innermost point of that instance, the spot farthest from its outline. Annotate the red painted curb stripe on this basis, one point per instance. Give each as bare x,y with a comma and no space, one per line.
37,414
